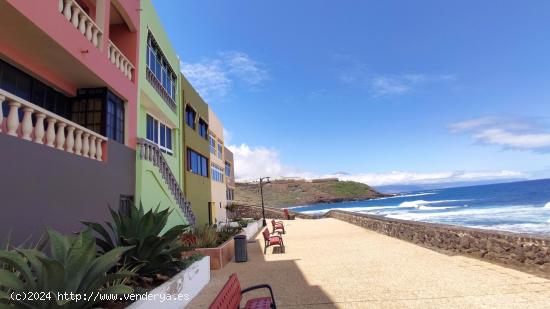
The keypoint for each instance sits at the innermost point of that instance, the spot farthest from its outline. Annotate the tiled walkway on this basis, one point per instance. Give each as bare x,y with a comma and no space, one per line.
332,264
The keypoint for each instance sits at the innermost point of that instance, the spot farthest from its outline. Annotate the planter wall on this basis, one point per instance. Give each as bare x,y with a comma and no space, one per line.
181,288
251,229
221,255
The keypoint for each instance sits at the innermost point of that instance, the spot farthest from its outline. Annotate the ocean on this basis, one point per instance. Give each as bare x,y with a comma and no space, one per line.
521,207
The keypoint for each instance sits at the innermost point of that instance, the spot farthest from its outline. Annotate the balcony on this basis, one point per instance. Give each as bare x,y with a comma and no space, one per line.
120,61
81,21
58,132
160,90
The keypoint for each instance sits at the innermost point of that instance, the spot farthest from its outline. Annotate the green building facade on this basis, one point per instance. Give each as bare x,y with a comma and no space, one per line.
159,170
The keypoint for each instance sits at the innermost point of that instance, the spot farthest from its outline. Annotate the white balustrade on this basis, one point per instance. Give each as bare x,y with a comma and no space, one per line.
13,118
86,145
92,147
68,136
81,21
60,138
120,61
70,139
39,128
78,142
50,132
26,128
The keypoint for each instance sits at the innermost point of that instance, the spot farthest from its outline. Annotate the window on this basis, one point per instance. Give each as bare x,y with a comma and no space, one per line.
99,110
227,169
159,67
220,150
203,129
217,173
114,119
212,144
25,86
229,194
190,116
196,163
159,133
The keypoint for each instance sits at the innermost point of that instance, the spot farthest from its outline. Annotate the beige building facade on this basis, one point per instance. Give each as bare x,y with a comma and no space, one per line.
218,192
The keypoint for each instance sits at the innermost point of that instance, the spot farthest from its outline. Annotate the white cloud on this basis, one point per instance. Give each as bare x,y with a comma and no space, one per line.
354,72
508,139
208,77
407,178
244,67
384,85
252,163
214,78
509,133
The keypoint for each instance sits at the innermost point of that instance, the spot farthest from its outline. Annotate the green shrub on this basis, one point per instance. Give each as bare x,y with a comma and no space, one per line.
72,267
153,252
226,232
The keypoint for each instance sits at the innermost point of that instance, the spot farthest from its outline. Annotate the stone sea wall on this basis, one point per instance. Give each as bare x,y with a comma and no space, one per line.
255,211
525,251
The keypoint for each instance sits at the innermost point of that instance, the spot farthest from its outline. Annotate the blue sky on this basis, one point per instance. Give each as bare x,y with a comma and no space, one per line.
384,91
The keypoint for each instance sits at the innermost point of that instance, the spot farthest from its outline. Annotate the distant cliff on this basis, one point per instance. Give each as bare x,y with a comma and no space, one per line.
281,193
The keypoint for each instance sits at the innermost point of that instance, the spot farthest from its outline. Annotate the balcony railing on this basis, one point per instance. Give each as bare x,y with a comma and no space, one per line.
151,152
120,61
81,21
160,90
69,136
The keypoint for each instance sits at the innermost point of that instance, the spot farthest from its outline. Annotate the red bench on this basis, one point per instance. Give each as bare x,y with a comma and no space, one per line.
231,294
277,226
286,213
272,240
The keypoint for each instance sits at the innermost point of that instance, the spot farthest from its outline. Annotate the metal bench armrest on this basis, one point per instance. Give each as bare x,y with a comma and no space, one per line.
262,286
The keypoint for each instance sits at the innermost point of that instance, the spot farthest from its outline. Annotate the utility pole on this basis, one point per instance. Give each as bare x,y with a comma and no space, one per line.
263,180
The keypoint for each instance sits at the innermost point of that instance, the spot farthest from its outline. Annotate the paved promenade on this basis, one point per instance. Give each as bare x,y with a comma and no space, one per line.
332,264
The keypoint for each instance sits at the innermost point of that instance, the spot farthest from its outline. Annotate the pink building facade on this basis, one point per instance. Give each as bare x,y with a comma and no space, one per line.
68,103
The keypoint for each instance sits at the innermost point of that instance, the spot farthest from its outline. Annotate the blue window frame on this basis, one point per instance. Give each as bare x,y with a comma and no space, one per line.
159,133
217,173
190,116
196,163
227,169
203,129
159,66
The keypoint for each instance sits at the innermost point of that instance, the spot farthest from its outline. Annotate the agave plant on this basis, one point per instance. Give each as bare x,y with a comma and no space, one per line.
204,236
72,267
154,251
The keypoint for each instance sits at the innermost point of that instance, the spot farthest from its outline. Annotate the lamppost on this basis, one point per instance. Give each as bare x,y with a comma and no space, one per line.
263,180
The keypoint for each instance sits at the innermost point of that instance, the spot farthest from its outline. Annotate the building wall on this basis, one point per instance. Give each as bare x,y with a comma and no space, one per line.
230,181
46,187
151,189
218,191
228,156
197,188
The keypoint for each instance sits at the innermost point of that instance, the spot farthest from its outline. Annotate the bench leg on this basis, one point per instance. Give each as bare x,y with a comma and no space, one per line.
265,247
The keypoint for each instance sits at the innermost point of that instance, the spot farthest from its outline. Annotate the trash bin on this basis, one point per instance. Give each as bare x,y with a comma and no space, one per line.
241,252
